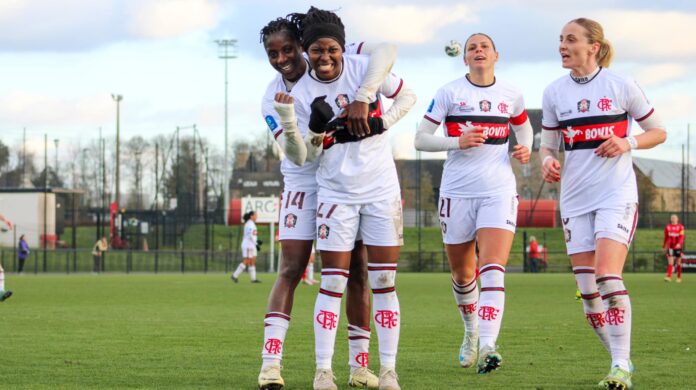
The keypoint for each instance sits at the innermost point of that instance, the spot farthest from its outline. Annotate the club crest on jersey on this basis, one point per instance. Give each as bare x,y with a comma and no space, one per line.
342,100
584,105
431,106
290,221
484,105
503,107
271,122
604,104
323,231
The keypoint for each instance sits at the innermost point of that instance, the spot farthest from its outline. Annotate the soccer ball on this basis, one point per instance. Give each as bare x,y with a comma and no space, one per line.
453,48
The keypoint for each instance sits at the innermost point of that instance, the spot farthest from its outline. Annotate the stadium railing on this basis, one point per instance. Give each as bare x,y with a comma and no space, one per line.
126,261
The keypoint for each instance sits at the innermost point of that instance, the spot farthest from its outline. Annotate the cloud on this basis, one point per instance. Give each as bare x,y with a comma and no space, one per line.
655,35
408,24
165,19
661,74
77,25
32,109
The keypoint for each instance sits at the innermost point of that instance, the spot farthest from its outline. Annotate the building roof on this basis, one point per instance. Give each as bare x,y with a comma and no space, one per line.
665,174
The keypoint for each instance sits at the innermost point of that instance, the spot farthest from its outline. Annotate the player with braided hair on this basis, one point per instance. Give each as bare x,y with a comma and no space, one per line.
358,190
283,48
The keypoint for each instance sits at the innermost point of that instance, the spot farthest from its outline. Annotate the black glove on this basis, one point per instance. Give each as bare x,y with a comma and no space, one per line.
258,245
321,114
341,134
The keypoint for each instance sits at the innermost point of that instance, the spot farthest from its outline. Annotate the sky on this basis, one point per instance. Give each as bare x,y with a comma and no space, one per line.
62,59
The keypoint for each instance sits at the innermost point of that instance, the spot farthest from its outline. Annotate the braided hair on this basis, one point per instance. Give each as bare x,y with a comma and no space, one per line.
278,25
318,23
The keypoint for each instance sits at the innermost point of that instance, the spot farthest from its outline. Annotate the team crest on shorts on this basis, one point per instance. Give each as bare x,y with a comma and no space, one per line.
290,220
566,233
323,231
485,105
584,105
342,100
444,227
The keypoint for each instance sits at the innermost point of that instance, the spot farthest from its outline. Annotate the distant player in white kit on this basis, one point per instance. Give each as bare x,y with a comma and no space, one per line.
358,190
249,248
4,294
589,112
478,196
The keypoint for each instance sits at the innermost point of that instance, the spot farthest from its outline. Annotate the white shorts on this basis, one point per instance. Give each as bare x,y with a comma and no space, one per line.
461,218
248,251
378,224
582,232
298,210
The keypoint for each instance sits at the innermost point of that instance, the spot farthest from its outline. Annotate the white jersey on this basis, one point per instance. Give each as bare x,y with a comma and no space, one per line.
249,239
298,178
485,170
353,172
585,112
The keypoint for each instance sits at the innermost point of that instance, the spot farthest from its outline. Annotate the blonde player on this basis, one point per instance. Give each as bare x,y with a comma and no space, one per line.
358,189
478,197
589,112
249,249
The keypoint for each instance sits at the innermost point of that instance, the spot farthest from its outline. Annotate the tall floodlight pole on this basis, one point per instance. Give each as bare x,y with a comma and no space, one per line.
117,99
226,51
55,142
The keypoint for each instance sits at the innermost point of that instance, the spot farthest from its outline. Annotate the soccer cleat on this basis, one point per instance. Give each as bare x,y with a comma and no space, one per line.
324,380
270,379
578,296
618,379
388,380
363,378
488,360
469,349
679,280
234,279
668,279
255,281
4,295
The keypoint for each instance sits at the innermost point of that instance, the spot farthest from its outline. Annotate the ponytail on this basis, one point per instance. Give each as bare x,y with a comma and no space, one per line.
595,34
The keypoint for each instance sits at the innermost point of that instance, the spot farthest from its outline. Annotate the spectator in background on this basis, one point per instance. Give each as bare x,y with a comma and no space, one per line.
22,253
97,253
534,255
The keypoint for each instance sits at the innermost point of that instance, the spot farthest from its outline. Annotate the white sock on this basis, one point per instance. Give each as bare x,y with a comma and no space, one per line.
617,318
240,268
467,295
386,310
592,303
326,314
252,272
2,280
276,326
310,272
491,303
358,346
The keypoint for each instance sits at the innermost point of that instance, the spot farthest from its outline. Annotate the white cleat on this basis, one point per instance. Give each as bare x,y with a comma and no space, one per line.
270,379
324,380
362,377
468,352
388,380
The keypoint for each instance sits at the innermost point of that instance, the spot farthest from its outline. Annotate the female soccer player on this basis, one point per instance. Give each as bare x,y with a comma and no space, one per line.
672,245
590,111
249,243
281,42
478,196
4,294
358,189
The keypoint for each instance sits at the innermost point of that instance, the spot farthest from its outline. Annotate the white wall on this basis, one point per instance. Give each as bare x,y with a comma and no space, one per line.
25,210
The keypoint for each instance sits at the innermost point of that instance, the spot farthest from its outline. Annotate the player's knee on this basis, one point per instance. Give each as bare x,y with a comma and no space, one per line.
291,271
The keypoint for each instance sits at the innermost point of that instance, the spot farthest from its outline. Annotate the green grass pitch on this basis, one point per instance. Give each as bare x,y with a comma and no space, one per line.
202,331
